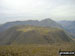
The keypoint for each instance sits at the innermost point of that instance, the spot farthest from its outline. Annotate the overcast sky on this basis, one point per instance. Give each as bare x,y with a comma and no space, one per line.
11,10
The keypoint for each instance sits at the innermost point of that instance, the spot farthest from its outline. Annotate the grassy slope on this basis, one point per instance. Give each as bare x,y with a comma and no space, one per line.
33,35
21,35
35,50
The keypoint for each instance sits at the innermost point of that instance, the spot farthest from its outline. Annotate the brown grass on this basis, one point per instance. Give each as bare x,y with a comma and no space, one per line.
35,50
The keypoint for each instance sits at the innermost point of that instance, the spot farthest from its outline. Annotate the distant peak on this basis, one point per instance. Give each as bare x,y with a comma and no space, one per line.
47,20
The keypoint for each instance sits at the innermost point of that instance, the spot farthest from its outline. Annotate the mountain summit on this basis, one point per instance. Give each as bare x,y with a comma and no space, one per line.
43,23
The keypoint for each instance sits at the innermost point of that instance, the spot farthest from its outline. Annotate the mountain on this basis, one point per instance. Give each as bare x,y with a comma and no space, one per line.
33,35
69,26
0,24
43,23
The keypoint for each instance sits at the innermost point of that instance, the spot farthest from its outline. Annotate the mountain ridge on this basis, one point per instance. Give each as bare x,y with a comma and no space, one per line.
44,23
69,26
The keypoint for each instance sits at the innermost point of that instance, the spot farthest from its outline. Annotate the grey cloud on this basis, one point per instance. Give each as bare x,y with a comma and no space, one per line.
40,9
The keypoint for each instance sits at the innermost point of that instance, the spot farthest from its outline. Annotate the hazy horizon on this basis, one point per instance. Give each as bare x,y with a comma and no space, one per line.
19,10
